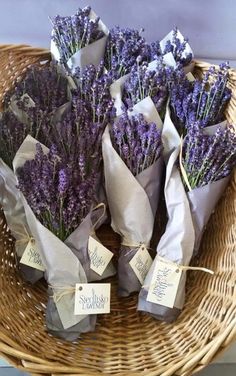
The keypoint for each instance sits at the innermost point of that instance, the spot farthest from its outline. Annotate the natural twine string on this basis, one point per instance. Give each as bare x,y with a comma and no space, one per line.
25,236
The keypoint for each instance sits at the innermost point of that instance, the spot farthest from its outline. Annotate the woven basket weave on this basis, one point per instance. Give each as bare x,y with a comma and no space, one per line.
125,342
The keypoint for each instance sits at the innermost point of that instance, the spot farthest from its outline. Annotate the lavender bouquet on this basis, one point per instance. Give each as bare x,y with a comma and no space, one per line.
148,80
123,48
69,171
30,108
196,100
197,175
208,157
57,198
78,40
133,165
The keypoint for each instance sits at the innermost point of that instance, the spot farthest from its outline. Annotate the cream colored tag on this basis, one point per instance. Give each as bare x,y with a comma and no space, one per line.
164,284
190,77
141,263
92,298
31,257
99,255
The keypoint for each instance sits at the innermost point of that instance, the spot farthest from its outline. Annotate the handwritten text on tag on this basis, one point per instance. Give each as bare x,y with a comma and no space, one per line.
31,257
164,284
99,255
92,298
141,263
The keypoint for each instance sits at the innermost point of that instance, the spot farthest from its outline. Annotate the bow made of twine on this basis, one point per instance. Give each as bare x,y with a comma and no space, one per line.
135,245
64,290
25,236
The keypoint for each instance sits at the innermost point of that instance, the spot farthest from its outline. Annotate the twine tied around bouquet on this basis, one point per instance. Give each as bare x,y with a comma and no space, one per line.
25,236
65,290
133,245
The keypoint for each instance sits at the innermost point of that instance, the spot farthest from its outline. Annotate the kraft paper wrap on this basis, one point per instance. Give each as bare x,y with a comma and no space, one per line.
132,201
175,245
188,50
66,263
91,54
188,215
10,199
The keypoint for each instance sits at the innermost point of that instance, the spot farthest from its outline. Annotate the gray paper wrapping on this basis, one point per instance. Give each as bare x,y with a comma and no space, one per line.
132,202
63,268
188,50
170,136
203,201
91,54
175,245
15,215
186,223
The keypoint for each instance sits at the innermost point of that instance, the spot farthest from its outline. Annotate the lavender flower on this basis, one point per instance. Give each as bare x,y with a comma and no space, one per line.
48,89
177,47
12,134
93,89
145,81
46,86
203,100
72,33
59,191
207,158
136,141
124,47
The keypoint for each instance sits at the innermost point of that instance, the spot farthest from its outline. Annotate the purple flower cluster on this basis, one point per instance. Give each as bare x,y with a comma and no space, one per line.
72,33
202,100
136,141
145,81
59,191
48,89
46,86
177,47
12,134
93,89
124,47
207,158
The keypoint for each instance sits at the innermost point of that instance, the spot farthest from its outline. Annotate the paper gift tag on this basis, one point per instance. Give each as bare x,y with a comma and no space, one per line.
190,77
31,257
99,255
141,263
92,298
164,283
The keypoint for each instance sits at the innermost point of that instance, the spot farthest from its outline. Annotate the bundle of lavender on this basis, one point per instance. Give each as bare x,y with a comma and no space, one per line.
197,174
148,81
78,40
133,166
123,48
30,109
59,186
195,100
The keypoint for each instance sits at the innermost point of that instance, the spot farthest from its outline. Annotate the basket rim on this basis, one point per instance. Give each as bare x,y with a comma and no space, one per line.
25,361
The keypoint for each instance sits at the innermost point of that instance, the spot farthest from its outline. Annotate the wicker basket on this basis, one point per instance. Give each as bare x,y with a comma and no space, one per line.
125,342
